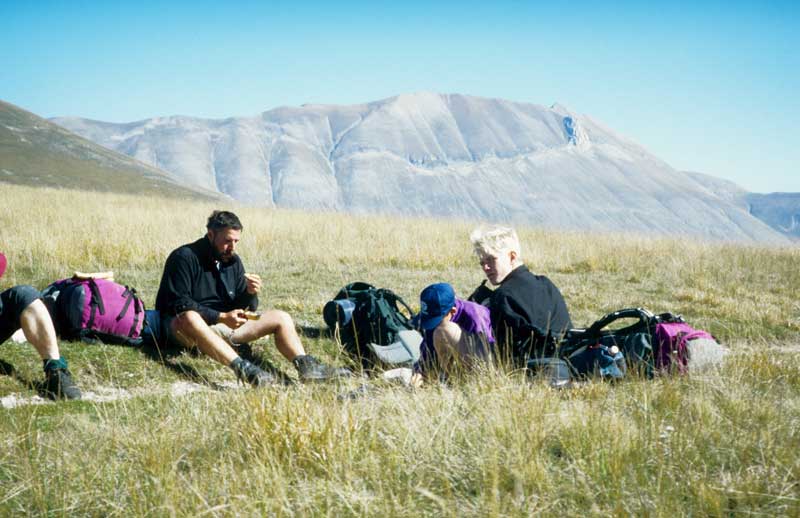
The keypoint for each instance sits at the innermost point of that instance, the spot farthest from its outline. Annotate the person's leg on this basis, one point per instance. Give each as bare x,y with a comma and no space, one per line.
22,308
190,330
287,341
39,331
273,322
446,338
457,349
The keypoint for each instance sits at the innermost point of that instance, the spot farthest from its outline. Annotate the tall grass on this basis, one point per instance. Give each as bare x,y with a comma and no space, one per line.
720,444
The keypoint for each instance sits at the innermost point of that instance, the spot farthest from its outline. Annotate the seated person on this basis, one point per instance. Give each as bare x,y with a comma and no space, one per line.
21,307
203,298
527,310
456,333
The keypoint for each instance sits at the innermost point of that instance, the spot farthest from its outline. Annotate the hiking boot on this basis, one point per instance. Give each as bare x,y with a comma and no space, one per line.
58,384
311,369
251,373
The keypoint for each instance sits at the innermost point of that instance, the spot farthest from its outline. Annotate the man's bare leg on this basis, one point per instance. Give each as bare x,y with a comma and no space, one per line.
446,339
273,322
38,327
287,341
193,331
39,331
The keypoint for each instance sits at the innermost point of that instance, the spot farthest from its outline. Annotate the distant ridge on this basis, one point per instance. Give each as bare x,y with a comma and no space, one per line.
437,155
34,151
780,210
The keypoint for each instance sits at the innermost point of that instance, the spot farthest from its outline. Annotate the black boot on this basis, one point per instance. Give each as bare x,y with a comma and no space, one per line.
58,382
252,374
311,369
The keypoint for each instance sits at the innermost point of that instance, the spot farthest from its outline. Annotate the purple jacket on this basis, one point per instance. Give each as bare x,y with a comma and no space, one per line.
471,317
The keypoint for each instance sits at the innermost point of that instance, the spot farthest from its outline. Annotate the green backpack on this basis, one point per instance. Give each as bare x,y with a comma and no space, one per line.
365,317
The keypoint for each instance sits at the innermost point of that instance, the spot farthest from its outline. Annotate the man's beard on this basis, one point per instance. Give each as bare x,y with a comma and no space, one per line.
221,257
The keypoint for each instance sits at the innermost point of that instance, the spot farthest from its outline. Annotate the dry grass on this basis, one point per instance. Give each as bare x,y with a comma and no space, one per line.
723,444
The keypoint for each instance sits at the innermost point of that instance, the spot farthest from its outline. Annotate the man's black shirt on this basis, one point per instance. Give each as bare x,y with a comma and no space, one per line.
194,280
527,311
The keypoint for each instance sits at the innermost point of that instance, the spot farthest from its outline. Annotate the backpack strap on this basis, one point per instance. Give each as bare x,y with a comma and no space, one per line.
394,297
644,316
138,311
129,296
96,303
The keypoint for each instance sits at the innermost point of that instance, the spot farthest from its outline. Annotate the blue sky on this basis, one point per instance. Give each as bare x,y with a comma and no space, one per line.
707,86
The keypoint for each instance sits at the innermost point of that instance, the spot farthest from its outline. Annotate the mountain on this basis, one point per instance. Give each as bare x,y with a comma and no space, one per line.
436,155
34,151
780,210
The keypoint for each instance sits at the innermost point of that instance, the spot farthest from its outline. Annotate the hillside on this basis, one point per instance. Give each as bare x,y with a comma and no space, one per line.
34,151
436,155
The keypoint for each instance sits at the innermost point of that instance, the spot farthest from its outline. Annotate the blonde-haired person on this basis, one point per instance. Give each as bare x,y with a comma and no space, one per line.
527,310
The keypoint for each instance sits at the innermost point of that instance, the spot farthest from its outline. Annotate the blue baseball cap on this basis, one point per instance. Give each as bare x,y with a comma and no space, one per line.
435,301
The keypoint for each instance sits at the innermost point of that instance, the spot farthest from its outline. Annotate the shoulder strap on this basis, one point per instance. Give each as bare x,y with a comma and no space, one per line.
96,303
642,314
138,309
392,297
129,296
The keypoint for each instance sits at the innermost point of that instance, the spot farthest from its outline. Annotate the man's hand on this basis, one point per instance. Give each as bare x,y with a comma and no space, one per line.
253,283
233,319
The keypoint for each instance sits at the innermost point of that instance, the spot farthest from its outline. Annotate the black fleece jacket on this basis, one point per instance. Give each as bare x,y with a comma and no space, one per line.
527,312
193,280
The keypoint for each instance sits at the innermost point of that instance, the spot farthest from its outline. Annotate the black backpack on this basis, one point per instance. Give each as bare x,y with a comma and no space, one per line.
362,314
636,340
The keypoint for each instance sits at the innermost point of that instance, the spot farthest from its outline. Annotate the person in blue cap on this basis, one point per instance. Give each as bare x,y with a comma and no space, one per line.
456,332
22,307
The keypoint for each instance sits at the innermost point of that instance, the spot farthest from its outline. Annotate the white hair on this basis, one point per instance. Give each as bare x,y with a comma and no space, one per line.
495,241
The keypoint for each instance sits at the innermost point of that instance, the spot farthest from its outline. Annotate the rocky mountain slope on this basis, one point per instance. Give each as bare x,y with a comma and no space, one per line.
436,155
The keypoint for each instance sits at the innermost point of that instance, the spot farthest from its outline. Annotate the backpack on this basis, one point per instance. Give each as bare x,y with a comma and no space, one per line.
95,310
652,344
683,348
371,325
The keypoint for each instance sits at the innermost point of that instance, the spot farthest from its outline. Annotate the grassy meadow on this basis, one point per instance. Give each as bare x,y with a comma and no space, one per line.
494,444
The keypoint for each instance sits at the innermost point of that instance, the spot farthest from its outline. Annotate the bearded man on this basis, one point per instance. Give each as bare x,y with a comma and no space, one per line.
205,298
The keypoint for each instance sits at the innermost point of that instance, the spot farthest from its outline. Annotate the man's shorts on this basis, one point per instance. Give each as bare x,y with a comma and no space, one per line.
162,330
12,303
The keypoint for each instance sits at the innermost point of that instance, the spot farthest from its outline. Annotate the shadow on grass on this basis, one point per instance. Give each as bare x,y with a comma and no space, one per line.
315,332
6,369
168,356
246,351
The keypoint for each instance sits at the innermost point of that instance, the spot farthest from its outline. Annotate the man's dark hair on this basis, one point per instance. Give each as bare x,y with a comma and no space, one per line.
222,219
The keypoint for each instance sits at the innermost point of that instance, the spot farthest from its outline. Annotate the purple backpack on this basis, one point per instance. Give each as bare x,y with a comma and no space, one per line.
681,347
95,309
